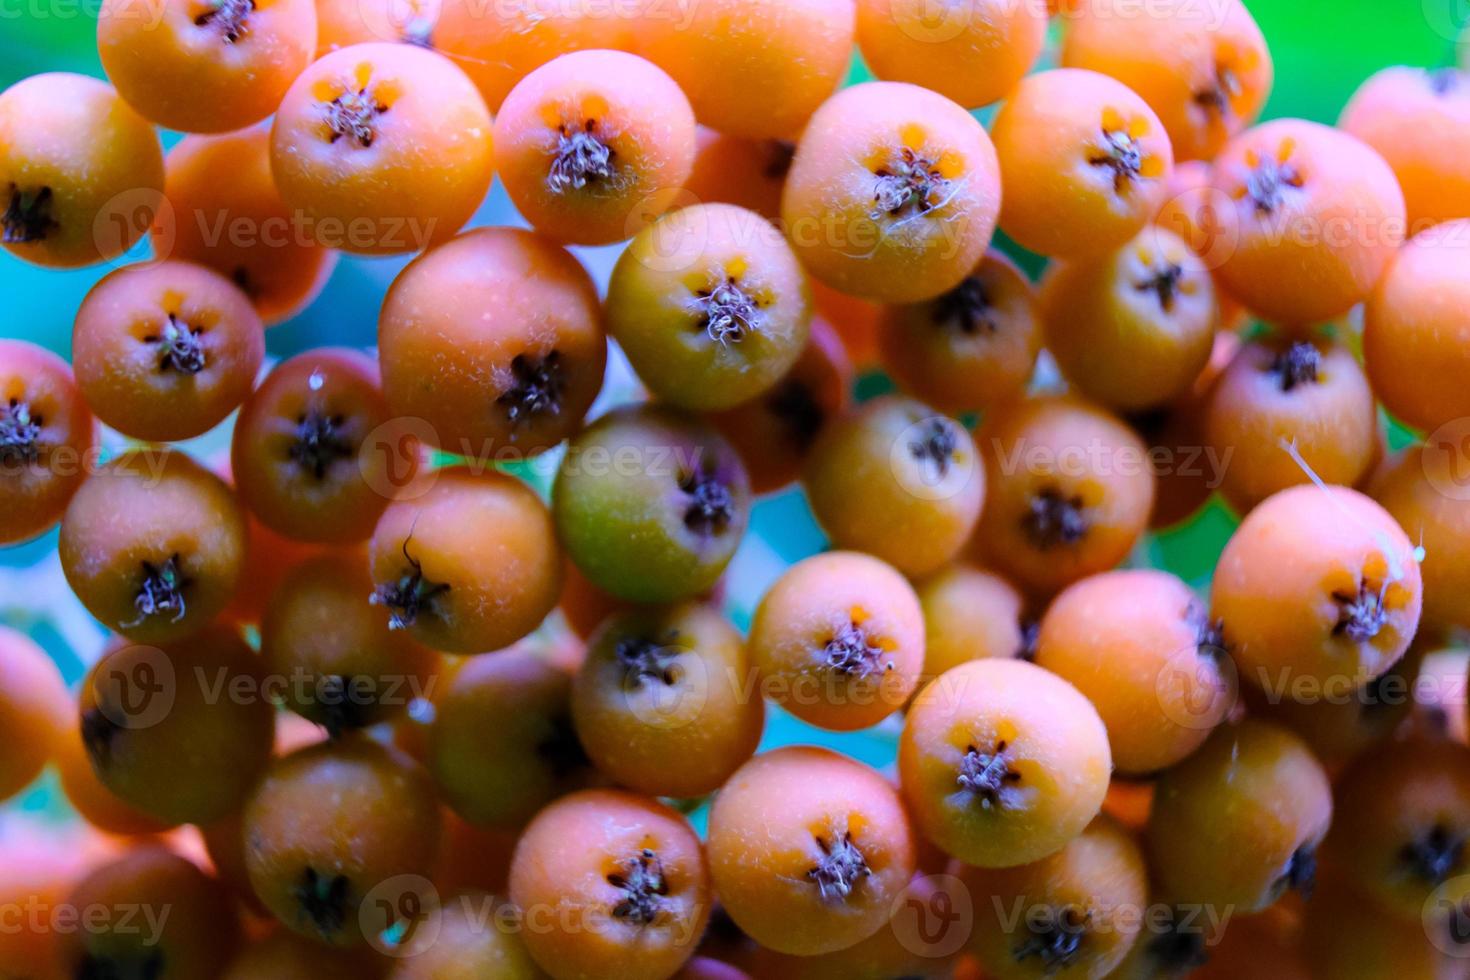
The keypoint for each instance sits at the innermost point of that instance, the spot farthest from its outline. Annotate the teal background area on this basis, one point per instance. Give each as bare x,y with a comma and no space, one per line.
1323,49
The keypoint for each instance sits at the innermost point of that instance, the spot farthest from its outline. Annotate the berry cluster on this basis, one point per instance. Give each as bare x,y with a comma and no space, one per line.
379,703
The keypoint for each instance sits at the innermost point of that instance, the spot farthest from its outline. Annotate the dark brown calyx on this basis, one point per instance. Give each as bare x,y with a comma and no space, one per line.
1217,95
1209,634
781,154
1362,615
354,115
1165,282
322,901
1122,154
27,216
840,868
934,444
1301,872
646,659
966,308
145,965
1056,938
162,592
180,346
537,388
1178,949
911,185
231,18
240,276
986,774
561,749
406,598
852,653
711,507
643,888
318,443
20,433
1300,364
1055,520
1269,181
344,704
726,312
581,158
1435,855
98,733
800,414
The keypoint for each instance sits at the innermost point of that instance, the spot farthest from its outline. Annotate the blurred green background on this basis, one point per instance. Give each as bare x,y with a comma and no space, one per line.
1323,49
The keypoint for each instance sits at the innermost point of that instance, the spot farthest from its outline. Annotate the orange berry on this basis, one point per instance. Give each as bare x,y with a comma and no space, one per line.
1316,217
893,193
1083,160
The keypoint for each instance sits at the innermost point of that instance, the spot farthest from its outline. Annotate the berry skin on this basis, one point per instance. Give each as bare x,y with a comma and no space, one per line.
839,641
165,734
301,456
1440,524
193,930
648,490
594,146
1239,822
1069,491
611,884
240,227
469,941
153,545
809,850
47,435
1415,338
206,67
374,116
710,306
971,613
468,567
1419,120
35,711
1131,329
970,348
752,68
898,480
1078,908
1309,395
1319,590
775,432
1316,217
285,956
974,53
1206,76
747,173
1403,837
1002,763
328,824
166,350
893,193
78,170
1083,160
1144,651
502,744
495,339
663,704
342,667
